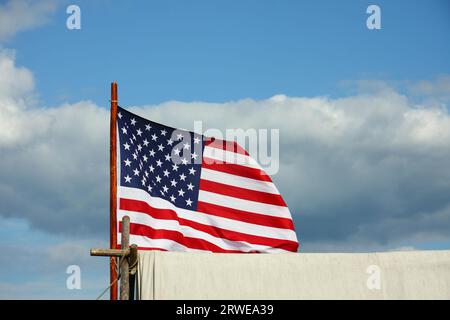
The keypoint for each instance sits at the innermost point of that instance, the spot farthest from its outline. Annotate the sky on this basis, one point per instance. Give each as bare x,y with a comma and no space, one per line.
363,117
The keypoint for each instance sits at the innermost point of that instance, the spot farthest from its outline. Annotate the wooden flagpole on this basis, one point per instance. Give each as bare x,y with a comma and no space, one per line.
127,254
113,191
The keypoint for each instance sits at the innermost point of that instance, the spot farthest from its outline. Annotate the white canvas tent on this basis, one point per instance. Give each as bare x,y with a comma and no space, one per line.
390,275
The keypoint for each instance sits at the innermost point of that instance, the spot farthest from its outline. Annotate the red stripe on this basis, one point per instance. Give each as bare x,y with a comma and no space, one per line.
235,169
231,146
145,248
215,210
192,243
242,193
143,207
244,216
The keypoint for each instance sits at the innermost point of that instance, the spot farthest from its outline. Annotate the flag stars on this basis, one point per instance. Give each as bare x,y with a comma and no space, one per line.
119,115
162,160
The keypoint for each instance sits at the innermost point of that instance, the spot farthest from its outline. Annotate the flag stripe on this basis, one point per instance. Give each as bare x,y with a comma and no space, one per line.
139,196
245,205
236,169
255,218
145,248
242,193
183,231
190,242
220,156
231,146
234,180
145,242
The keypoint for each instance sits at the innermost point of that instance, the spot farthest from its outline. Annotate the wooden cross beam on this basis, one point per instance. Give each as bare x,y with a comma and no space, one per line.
127,259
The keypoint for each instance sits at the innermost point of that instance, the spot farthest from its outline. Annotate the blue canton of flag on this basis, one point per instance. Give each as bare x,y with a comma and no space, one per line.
163,161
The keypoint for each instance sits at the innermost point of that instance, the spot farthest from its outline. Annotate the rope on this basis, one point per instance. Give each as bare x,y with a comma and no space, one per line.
111,284
107,288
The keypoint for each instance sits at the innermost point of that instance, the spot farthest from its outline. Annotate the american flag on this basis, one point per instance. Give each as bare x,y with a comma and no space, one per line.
187,192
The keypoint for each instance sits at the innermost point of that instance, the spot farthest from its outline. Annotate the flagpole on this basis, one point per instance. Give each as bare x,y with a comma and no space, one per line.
113,191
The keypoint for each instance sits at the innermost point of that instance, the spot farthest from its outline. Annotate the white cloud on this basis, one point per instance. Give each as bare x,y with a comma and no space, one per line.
51,157
369,169
20,15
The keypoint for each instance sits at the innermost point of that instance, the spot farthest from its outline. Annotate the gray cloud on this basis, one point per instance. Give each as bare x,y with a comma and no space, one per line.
35,263
39,271
369,170
435,91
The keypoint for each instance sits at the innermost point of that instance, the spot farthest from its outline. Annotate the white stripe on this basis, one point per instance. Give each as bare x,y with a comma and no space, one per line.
166,244
211,220
221,156
238,181
244,205
187,231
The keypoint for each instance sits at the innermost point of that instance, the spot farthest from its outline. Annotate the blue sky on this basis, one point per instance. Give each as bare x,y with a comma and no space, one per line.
228,50
363,117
